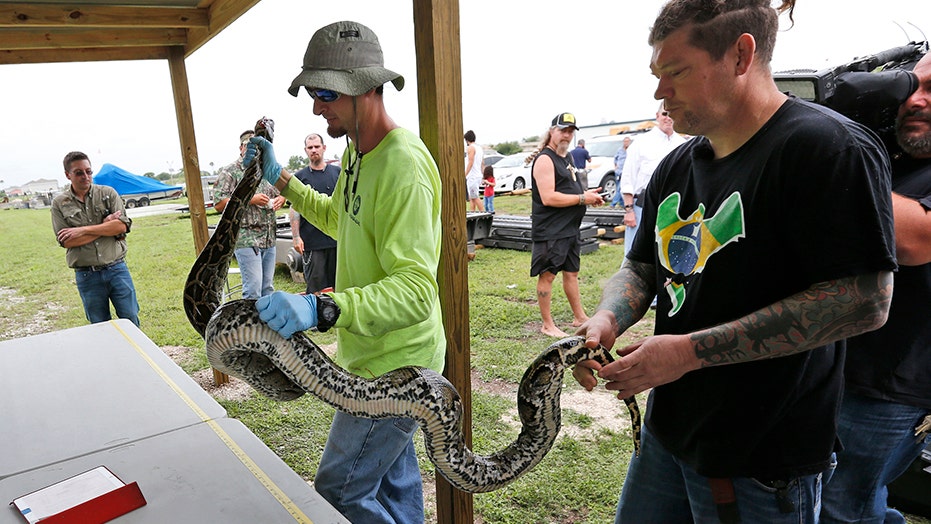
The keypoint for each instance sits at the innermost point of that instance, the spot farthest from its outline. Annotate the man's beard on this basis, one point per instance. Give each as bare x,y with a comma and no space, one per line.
336,132
917,145
562,148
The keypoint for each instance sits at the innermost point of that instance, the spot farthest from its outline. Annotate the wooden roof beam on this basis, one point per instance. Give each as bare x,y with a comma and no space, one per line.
221,15
101,16
42,56
91,38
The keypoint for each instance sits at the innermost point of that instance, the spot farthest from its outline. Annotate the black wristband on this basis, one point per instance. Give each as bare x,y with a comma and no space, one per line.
327,312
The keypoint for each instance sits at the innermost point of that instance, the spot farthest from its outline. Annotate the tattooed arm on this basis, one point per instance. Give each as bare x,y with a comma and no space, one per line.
823,313
624,301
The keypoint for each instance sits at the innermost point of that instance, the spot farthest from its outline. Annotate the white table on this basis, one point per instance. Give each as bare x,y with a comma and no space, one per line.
104,394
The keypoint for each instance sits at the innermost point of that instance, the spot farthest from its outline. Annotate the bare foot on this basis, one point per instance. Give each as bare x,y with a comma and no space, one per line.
577,322
553,331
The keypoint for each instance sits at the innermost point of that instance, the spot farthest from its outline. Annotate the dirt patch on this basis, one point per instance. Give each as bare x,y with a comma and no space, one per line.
536,326
235,389
603,407
13,324
177,353
496,386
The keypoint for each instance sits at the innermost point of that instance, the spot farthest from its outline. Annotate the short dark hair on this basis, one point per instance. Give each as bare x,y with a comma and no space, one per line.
73,157
313,135
716,25
469,136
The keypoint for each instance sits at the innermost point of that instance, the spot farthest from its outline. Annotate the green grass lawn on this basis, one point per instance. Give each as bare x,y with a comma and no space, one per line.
577,482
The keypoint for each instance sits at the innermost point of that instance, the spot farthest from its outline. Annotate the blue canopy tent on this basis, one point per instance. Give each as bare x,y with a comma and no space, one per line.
135,189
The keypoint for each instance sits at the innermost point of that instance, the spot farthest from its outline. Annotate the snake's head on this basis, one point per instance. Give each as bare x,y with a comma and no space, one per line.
573,350
265,128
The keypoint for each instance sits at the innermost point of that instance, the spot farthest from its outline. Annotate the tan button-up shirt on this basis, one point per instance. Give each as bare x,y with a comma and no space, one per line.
68,211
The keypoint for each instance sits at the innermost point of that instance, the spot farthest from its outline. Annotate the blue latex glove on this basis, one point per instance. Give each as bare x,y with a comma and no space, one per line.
271,169
287,313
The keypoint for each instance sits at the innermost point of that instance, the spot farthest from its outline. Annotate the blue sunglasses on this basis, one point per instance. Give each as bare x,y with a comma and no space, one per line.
324,95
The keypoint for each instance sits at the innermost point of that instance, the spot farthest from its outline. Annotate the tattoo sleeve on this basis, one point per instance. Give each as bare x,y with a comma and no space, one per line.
824,313
628,293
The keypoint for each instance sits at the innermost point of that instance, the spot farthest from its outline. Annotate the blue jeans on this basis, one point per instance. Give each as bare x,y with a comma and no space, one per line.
879,444
618,199
257,268
631,232
99,288
369,470
489,204
660,488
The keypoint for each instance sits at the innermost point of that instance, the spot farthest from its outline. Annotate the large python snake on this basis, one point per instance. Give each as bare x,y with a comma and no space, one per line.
240,344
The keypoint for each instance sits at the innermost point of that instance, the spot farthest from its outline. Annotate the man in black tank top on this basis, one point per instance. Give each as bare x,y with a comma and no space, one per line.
559,202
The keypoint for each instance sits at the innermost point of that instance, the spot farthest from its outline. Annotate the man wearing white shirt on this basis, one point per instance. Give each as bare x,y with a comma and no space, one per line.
473,172
643,155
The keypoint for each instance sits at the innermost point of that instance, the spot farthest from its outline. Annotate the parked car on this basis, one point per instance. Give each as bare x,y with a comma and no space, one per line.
492,157
512,173
601,168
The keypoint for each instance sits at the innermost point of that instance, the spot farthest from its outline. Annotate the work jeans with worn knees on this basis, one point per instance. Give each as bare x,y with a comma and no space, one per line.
661,488
257,269
631,232
99,288
369,470
879,444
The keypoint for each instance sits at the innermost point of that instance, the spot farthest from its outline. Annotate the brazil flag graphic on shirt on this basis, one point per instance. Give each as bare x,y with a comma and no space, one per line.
685,244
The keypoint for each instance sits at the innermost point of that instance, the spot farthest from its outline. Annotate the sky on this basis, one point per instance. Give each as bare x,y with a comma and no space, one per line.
522,63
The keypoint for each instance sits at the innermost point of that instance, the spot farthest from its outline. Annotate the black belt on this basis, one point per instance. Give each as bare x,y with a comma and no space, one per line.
98,268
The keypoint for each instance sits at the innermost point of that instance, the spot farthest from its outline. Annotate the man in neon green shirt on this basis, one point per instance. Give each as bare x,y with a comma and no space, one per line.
385,216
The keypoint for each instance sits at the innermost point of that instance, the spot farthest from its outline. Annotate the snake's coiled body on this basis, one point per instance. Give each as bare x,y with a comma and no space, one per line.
240,344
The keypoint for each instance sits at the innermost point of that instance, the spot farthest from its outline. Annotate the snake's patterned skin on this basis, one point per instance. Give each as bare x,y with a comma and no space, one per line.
241,345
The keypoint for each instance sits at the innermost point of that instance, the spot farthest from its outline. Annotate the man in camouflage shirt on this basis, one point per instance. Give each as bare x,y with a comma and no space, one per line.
255,247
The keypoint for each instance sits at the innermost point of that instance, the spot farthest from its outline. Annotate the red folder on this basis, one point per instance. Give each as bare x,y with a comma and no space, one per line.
103,508
92,497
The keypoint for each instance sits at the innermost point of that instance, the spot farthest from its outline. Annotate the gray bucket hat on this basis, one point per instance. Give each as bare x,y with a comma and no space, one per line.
347,58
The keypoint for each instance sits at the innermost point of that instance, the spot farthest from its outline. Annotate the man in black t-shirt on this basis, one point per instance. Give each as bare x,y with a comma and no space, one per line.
888,371
316,248
768,239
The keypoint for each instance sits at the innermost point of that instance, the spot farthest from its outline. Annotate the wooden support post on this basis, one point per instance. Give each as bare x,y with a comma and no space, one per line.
185,117
195,195
439,88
